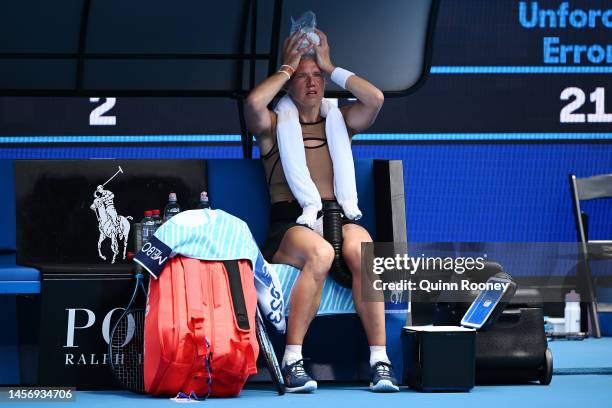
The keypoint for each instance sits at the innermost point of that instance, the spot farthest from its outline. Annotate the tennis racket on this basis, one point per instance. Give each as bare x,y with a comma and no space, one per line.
268,352
126,345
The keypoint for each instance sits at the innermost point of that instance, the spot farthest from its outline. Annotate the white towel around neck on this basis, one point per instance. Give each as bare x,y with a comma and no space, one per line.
293,160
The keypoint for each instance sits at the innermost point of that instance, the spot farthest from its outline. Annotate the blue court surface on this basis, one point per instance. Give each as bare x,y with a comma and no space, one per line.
591,356
572,386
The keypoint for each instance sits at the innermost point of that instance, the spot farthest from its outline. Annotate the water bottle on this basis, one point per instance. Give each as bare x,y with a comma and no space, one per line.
157,219
148,226
572,312
137,236
204,202
172,208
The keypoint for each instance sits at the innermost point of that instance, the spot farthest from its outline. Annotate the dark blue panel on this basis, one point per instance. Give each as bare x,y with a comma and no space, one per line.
7,205
9,352
364,173
239,187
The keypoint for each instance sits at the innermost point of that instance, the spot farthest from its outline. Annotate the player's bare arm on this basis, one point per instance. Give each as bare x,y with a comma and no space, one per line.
363,113
256,112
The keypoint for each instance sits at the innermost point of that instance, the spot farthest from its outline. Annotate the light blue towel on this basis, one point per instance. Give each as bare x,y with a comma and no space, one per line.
335,299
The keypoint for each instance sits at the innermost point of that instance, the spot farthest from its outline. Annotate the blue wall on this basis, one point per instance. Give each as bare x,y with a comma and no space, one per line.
496,192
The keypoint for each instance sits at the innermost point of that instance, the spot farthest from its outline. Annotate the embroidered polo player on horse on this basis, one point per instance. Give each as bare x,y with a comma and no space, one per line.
108,199
110,224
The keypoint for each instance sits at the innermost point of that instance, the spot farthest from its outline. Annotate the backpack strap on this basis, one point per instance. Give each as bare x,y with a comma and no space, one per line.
235,283
195,301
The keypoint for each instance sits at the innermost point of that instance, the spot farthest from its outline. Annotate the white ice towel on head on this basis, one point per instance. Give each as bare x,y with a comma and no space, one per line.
293,160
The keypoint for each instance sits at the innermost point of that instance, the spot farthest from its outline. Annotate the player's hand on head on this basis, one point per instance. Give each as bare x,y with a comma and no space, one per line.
291,53
322,52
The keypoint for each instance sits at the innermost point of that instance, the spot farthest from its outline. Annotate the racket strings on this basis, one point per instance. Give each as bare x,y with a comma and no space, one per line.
127,356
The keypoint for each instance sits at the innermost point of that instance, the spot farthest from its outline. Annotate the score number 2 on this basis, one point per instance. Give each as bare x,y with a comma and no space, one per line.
98,116
598,97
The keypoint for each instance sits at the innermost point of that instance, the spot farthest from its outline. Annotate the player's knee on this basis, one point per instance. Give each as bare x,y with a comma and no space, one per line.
320,258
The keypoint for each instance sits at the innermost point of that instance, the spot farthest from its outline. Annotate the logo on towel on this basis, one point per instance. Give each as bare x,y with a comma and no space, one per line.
261,271
272,304
110,224
153,256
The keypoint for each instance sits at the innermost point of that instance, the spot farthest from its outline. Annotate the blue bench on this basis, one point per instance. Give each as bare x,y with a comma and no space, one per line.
14,279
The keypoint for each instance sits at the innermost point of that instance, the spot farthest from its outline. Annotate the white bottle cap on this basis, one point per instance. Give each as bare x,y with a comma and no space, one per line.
572,296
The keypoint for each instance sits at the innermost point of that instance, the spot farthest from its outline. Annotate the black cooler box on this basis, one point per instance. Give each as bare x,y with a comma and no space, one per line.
443,358
439,358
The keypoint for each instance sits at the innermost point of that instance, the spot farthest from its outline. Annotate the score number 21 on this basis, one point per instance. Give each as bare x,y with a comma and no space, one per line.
598,97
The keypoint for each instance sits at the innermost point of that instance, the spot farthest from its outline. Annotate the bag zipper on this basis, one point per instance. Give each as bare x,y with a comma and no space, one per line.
211,308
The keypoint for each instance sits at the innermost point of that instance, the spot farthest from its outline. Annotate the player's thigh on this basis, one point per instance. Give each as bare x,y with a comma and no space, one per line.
301,244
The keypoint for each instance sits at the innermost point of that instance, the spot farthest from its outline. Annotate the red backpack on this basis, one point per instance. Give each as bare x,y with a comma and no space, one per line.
200,328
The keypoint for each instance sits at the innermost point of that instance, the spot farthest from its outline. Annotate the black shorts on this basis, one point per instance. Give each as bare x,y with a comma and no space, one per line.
282,217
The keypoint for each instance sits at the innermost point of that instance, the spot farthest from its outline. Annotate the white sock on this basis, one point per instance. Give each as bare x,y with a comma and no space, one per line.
293,353
378,353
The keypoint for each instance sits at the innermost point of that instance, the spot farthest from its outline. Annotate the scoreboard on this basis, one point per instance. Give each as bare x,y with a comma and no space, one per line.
511,69
500,70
